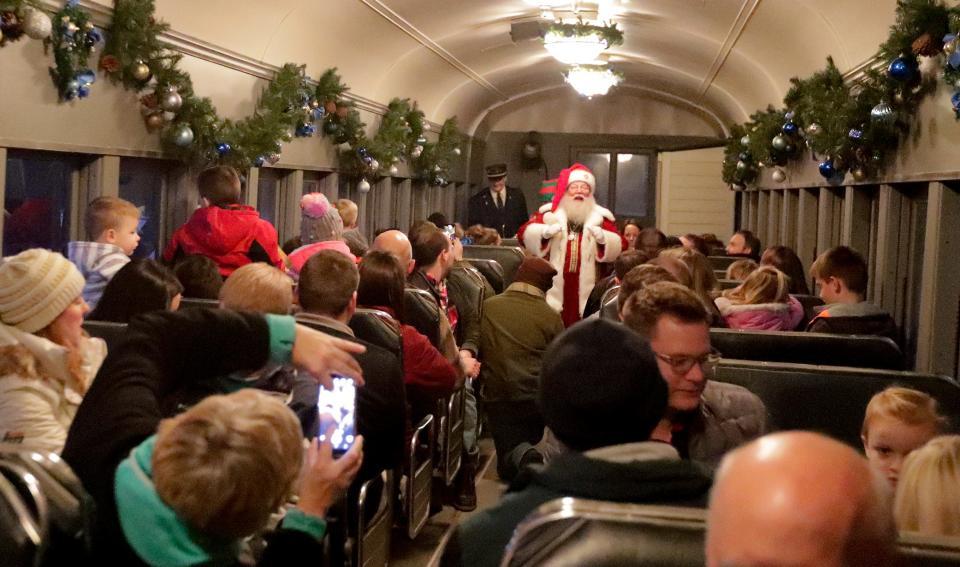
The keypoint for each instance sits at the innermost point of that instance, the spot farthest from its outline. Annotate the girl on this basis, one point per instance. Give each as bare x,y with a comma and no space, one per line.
762,302
928,495
47,361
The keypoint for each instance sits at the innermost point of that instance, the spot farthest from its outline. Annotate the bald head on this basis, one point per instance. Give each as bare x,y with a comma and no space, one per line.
797,499
397,245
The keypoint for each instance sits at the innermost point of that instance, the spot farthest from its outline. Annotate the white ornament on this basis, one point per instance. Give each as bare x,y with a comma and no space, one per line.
374,165
363,186
456,151
394,170
37,24
779,176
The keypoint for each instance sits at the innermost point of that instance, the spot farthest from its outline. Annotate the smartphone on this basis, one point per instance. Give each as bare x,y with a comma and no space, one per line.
338,407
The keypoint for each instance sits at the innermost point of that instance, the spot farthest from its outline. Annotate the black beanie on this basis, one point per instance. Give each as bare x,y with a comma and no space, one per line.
600,386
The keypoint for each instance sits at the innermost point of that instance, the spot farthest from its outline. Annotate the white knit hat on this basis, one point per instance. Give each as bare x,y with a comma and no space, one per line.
36,286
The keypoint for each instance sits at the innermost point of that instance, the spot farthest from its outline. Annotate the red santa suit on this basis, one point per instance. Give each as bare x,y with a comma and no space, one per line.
574,251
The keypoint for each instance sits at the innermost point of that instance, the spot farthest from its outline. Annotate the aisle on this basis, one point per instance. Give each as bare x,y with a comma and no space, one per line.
426,550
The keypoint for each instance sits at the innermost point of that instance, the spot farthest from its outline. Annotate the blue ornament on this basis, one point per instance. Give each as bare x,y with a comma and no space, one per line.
949,37
86,77
367,159
72,3
826,169
955,100
954,60
318,113
258,161
744,156
789,128
223,148
855,134
900,69
83,91
92,37
362,152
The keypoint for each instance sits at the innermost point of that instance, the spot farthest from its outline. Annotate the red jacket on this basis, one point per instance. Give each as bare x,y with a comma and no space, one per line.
232,236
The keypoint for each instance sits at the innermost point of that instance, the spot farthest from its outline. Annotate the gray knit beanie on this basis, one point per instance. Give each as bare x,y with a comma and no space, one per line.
321,221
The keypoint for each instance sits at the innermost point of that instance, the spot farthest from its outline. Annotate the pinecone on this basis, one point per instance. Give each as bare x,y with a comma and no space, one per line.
925,45
11,26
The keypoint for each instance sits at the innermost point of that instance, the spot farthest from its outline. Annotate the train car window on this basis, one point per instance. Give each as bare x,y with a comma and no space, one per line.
267,191
143,183
633,183
38,200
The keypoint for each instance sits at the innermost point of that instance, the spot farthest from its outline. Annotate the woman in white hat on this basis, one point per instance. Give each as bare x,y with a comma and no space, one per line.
47,362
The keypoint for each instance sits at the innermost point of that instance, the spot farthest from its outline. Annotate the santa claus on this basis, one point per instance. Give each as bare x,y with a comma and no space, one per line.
573,233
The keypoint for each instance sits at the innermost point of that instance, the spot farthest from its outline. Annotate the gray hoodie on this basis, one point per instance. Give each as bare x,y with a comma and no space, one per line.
98,263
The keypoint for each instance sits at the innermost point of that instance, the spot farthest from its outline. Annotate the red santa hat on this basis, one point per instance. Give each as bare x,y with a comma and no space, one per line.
572,174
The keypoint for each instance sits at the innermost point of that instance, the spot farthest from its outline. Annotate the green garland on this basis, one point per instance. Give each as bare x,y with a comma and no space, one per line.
853,127
437,160
609,33
73,39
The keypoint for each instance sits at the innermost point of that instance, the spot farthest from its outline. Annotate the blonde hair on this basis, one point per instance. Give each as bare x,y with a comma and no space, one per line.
225,464
928,492
906,405
348,211
258,287
104,213
704,281
766,284
740,269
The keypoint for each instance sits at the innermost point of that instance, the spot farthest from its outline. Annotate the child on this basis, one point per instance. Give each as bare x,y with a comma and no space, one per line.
321,228
761,302
841,275
230,234
111,225
928,497
897,421
740,269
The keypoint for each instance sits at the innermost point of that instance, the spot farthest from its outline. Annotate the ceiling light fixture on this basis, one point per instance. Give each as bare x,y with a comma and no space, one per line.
574,49
592,80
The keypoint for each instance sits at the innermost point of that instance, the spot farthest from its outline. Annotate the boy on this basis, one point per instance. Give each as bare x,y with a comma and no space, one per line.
897,421
841,275
230,234
111,225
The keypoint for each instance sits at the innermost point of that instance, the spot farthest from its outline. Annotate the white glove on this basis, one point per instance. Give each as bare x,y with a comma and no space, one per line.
597,233
551,231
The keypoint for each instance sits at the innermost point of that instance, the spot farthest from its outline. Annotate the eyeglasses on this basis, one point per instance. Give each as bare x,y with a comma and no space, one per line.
683,364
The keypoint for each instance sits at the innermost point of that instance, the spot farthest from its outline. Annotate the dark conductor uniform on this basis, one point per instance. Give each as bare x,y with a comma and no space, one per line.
506,213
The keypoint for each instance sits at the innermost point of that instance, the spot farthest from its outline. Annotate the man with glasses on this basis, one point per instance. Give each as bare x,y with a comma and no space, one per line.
706,418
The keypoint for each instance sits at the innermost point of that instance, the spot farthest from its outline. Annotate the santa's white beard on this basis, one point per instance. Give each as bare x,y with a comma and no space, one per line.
577,211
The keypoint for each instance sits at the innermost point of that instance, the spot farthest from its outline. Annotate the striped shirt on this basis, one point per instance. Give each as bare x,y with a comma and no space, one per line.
98,262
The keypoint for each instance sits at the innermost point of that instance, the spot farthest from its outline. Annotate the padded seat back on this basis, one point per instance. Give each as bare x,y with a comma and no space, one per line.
572,532
106,330
728,284
721,262
829,399
864,351
377,327
609,306
492,271
510,257
194,303
421,312
467,291
808,302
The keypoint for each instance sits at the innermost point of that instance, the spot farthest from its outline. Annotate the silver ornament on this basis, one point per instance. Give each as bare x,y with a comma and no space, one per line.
745,141
169,116
436,168
183,135
273,158
883,114
741,165
779,142
859,174
456,151
363,186
394,170
779,176
813,129
170,100
374,165
37,24
416,151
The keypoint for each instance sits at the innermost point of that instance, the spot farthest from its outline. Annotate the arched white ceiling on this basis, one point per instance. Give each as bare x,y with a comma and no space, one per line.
456,57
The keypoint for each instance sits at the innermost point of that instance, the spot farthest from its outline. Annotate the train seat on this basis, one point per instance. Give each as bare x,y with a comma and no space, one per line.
572,531
721,262
609,306
421,312
829,399
510,257
106,330
376,327
194,303
862,351
492,271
